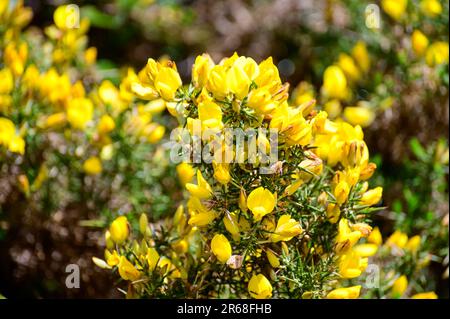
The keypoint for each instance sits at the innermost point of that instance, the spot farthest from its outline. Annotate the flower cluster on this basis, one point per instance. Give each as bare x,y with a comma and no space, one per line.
64,125
289,231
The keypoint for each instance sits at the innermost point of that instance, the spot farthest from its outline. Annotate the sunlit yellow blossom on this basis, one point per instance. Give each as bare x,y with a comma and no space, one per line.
167,83
119,230
201,68
210,115
333,212
371,197
345,293
127,271
259,287
202,190
346,238
261,202
286,229
351,264
221,248
347,64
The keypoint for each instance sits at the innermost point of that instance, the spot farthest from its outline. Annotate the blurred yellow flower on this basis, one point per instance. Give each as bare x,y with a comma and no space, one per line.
419,42
361,56
375,237
185,173
394,8
371,197
92,166
437,53
431,8
425,295
399,286
397,239
359,115
106,124
335,83
79,112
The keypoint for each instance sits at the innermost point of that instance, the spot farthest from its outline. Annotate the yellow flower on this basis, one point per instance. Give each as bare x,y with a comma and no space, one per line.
419,42
346,238
152,258
361,56
359,115
201,68
6,81
221,248
185,173
200,215
210,115
259,287
351,265
221,173
127,271
92,166
237,82
167,83
413,244
261,101
365,250
268,77
397,239
106,124
425,295
119,230
437,53
17,145
273,259
286,229
399,286
347,64
394,8
334,83
66,17
261,202
90,55
371,197
341,192
375,237
202,190
217,82
154,132
431,8
79,112
345,293
112,259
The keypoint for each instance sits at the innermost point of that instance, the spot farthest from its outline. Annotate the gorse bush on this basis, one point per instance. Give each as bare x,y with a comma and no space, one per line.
68,135
291,231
